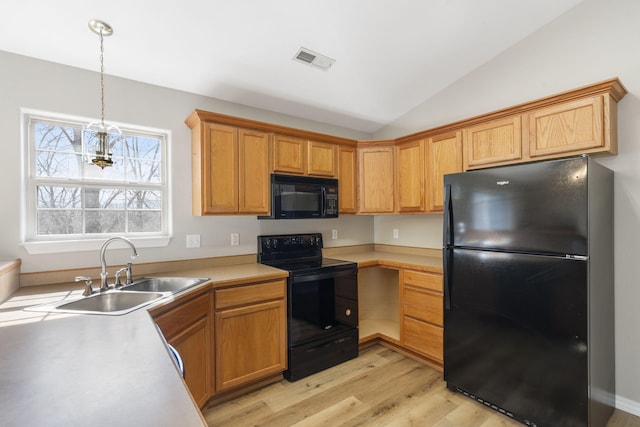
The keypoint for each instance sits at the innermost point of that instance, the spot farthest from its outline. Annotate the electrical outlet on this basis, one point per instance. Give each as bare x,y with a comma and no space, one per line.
193,240
395,233
235,239
334,234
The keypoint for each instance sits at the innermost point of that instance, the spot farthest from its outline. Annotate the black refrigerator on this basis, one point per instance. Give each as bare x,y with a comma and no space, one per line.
528,290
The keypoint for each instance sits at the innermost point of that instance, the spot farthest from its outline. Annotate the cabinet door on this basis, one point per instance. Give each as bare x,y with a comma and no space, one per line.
492,143
347,179
253,172
289,154
191,344
321,159
220,169
186,327
570,127
376,176
410,166
444,155
250,343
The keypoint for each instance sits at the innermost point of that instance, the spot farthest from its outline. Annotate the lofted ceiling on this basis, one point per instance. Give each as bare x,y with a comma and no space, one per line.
390,55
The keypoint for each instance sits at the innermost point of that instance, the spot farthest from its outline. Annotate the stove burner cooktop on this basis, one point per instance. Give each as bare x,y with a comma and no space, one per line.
296,253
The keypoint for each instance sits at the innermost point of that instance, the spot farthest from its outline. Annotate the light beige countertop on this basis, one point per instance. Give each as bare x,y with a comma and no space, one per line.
73,369
415,258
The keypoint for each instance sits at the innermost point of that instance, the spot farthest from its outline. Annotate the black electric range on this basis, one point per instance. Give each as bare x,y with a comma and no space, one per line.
322,302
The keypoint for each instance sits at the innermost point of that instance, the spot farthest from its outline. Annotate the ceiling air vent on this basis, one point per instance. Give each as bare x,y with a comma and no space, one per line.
314,59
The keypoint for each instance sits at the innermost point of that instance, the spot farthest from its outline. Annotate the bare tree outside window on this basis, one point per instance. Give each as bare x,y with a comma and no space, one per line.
75,198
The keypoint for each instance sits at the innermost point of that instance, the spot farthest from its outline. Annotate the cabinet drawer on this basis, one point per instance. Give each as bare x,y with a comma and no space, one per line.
249,294
176,320
423,338
426,306
423,280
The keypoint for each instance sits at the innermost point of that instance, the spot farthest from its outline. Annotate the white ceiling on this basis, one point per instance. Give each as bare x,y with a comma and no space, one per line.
391,55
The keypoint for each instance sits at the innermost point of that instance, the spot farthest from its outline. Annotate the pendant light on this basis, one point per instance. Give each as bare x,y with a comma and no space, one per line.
99,130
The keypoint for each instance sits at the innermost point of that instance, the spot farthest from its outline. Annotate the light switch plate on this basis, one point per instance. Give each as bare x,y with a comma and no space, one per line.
235,239
334,234
395,233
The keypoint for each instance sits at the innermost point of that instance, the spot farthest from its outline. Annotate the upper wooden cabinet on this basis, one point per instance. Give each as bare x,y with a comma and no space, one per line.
289,154
410,176
581,121
444,155
233,157
321,159
230,170
569,127
299,156
347,179
376,179
492,143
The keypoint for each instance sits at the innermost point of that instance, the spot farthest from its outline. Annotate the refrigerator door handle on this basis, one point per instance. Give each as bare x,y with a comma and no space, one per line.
448,217
446,276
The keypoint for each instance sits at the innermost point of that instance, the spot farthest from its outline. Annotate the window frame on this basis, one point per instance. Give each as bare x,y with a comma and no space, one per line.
42,244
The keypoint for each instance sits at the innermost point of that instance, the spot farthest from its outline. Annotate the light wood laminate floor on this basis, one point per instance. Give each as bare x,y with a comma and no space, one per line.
379,388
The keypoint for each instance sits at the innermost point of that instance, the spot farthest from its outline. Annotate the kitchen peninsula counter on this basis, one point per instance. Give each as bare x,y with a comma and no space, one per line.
73,369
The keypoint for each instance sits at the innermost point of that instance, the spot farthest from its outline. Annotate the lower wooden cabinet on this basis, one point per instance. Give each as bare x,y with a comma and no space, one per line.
250,333
187,327
422,313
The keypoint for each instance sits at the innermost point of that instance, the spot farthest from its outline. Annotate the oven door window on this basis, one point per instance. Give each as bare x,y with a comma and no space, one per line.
299,201
316,310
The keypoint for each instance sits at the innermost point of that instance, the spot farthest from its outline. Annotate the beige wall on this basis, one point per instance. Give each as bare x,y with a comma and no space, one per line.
597,40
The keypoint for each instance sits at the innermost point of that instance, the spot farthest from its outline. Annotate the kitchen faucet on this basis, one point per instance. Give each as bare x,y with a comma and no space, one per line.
103,263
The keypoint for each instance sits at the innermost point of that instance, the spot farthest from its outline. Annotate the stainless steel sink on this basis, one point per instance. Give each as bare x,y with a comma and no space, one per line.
164,284
113,303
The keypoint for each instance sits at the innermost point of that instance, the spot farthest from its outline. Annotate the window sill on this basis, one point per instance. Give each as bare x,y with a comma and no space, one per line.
61,246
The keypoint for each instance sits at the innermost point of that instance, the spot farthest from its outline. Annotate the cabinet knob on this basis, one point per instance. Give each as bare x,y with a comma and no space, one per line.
347,312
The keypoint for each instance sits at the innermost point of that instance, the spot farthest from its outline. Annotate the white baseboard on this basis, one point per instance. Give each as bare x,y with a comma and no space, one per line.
628,405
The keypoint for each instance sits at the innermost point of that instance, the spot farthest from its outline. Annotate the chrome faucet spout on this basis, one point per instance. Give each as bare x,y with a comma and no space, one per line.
103,262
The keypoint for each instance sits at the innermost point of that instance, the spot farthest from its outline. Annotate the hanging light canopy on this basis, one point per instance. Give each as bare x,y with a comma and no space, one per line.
99,130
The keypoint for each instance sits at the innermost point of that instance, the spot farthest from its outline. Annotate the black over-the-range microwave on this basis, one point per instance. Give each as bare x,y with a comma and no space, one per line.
296,197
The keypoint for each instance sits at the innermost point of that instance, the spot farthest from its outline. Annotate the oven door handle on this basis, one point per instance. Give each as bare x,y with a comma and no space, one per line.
320,276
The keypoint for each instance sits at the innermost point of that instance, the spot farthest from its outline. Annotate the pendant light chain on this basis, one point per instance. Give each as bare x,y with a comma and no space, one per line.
101,77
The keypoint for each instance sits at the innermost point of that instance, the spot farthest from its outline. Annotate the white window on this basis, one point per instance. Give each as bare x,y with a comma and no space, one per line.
69,201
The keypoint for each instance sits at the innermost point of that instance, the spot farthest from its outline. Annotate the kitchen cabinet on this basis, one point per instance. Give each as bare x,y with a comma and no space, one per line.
250,333
422,317
410,176
573,127
321,159
493,143
289,154
303,157
444,155
187,327
347,179
230,170
376,179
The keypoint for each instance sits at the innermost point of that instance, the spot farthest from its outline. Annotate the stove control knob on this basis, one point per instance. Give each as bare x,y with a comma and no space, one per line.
267,243
274,243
